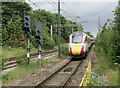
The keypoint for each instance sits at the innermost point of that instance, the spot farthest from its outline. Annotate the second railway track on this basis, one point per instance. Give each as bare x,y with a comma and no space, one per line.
61,76
11,63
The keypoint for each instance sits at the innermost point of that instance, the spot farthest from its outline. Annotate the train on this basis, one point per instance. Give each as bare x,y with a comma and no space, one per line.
79,44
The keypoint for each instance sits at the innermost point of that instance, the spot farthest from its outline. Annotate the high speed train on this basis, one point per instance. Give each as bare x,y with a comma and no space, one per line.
79,44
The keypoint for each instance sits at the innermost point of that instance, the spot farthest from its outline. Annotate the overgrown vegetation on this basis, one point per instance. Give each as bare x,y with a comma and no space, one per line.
88,33
102,68
108,48
94,81
64,49
8,52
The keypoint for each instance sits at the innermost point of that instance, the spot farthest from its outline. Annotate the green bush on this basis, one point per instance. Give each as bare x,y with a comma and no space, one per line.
64,49
62,40
23,60
26,45
3,61
55,37
47,43
12,33
33,41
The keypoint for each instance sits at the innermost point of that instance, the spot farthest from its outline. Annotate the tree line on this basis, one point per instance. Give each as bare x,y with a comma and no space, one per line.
13,25
108,42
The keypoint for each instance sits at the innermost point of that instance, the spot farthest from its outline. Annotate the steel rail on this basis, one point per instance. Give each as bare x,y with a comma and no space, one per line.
40,84
32,54
68,78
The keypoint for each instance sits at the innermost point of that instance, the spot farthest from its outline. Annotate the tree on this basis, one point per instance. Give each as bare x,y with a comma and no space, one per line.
14,10
12,33
88,33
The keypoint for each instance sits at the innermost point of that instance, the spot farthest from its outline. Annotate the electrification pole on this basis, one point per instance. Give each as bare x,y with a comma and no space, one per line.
51,32
98,26
99,23
56,28
72,29
59,34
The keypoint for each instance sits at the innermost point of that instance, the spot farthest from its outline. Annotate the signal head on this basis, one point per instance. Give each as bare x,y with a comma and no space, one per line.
38,31
27,22
26,18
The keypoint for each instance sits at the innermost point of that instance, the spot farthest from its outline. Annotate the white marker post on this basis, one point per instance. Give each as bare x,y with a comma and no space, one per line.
28,49
51,32
28,55
39,56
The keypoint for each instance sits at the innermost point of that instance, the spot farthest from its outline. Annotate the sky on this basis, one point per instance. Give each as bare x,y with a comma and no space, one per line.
87,10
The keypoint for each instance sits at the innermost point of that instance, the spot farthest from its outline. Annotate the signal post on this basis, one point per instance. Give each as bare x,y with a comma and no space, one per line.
27,25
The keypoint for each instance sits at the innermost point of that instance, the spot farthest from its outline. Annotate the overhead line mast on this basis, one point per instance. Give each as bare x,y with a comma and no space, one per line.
59,34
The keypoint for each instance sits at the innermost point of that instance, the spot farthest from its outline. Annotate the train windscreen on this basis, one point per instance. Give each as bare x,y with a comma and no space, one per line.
77,39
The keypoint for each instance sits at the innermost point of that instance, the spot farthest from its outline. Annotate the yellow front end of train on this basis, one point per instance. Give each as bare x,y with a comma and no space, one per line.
76,48
79,44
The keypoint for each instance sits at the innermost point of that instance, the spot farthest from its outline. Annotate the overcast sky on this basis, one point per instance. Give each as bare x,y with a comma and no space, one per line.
87,10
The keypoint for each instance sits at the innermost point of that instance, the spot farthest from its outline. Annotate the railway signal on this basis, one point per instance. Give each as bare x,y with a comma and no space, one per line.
27,25
27,22
38,40
38,29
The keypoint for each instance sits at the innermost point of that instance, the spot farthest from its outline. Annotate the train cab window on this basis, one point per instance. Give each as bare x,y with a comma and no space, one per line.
77,39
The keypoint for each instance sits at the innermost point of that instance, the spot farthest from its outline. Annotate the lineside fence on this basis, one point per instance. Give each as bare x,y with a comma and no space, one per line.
86,77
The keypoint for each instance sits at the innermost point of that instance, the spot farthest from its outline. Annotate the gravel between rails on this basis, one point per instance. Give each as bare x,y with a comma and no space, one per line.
76,79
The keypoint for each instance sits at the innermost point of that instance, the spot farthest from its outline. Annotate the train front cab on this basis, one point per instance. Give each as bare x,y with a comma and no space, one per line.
77,46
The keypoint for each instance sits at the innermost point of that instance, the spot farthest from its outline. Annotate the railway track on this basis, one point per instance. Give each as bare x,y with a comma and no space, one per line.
32,54
11,62
60,77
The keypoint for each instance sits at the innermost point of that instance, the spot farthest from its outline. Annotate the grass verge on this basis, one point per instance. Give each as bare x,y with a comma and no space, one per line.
10,52
111,74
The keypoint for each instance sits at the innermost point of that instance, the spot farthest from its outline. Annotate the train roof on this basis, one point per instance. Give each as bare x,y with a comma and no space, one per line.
77,33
